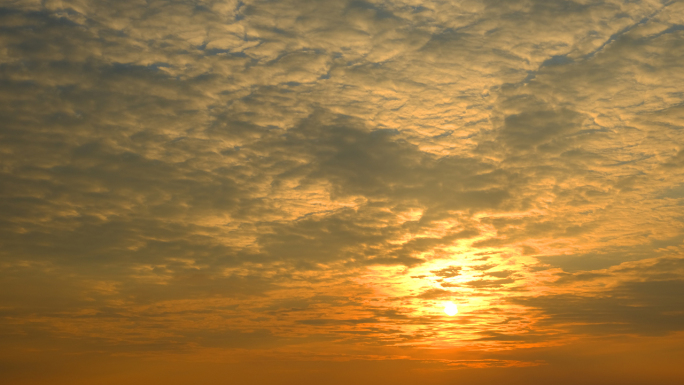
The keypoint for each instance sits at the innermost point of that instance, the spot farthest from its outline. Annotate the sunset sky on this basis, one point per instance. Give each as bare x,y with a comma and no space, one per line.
293,192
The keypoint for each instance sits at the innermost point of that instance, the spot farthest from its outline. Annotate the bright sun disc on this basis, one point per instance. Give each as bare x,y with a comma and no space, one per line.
450,308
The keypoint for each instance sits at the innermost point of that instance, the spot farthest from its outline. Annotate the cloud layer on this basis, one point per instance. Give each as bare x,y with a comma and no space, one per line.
252,181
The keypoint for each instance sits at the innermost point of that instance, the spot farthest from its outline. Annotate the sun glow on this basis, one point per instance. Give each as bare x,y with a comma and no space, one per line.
450,309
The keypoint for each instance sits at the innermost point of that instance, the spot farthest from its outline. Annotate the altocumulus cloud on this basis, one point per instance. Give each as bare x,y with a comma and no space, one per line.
313,178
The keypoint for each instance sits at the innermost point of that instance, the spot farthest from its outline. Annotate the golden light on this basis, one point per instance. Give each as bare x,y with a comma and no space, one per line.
450,308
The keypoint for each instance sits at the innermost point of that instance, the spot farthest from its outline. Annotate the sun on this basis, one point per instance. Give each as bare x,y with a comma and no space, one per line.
450,308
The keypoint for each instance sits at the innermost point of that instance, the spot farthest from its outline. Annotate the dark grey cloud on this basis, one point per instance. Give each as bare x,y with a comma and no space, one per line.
649,308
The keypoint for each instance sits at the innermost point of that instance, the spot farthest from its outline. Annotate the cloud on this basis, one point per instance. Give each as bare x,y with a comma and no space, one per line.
448,272
205,176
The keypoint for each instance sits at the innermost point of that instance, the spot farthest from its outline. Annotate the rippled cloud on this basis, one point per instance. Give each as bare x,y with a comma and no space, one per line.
260,184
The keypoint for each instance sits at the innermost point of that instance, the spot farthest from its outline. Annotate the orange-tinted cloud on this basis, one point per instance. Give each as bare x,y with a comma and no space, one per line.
293,189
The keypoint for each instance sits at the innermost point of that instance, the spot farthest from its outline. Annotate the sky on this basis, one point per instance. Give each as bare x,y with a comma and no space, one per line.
291,192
